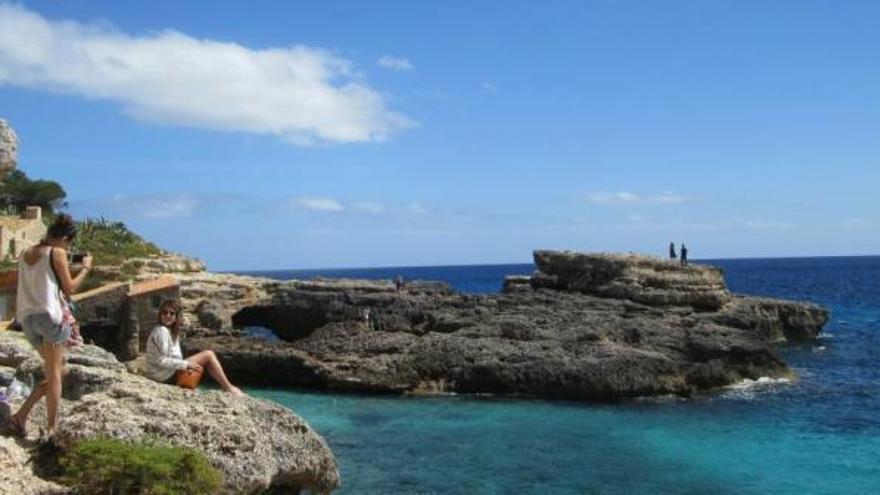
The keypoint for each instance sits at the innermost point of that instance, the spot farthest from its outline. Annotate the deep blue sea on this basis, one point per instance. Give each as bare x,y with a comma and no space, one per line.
818,434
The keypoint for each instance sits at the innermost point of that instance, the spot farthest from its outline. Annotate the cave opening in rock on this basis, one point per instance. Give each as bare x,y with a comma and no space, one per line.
285,322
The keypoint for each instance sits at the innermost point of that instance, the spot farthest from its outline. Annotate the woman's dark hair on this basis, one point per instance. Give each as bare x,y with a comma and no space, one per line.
175,327
62,228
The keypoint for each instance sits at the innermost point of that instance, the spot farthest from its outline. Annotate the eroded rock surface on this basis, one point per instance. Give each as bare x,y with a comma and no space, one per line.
256,444
585,326
643,279
209,300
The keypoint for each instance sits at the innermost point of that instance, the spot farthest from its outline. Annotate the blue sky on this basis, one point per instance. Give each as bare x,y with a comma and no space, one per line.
345,134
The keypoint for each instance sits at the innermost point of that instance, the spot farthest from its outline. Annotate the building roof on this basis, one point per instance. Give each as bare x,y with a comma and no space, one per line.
94,292
156,284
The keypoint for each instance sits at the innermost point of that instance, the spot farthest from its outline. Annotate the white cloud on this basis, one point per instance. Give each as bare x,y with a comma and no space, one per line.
636,217
604,198
667,198
169,207
416,209
763,224
488,87
319,204
626,197
301,94
370,207
858,224
161,206
395,63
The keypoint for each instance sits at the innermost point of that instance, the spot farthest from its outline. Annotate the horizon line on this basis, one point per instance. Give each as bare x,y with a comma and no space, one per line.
459,265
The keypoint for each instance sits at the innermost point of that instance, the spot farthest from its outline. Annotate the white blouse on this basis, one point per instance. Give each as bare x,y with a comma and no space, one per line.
164,357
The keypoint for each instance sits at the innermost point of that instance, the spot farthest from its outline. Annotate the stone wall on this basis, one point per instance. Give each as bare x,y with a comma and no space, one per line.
19,233
103,318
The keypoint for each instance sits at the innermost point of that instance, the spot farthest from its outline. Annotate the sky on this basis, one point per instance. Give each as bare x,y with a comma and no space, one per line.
282,135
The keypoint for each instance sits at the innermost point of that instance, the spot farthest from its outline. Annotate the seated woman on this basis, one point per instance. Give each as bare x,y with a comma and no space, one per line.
165,359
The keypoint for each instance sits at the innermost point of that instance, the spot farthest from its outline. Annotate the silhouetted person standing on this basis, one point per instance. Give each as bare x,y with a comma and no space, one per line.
672,250
684,255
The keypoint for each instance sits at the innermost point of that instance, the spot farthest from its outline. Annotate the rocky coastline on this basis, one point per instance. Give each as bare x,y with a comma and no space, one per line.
583,326
257,445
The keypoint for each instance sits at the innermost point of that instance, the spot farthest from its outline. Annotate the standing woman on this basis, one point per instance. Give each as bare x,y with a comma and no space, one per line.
165,359
43,274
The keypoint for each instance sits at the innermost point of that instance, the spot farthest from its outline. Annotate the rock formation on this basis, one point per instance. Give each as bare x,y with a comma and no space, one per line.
582,326
210,299
642,279
8,148
256,444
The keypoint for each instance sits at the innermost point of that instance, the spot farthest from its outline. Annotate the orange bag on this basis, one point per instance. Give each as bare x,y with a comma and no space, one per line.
189,378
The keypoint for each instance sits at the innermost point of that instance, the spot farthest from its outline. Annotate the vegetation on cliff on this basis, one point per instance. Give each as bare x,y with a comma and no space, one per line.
111,243
107,465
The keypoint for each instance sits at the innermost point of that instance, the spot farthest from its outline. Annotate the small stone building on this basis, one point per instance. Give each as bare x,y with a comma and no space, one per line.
120,316
18,233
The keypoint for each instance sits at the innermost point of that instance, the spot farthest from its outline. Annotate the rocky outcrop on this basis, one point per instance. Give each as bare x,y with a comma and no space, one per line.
149,267
257,445
166,263
209,300
643,279
16,471
584,326
8,148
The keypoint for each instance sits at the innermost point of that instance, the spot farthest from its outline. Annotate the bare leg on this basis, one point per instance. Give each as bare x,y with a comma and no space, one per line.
209,361
21,416
19,419
53,366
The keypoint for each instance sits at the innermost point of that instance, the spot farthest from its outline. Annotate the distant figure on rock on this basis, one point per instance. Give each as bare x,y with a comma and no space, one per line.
165,361
684,255
365,317
672,251
398,283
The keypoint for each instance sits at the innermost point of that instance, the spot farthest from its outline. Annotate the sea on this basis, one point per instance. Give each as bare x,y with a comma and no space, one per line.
817,434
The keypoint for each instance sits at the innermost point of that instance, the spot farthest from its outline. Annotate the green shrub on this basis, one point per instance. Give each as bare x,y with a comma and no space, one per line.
111,243
107,465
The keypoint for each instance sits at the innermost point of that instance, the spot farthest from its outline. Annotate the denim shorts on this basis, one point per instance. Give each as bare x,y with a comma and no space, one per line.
40,329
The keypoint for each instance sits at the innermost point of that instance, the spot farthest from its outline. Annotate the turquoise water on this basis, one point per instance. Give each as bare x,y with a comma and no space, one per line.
819,434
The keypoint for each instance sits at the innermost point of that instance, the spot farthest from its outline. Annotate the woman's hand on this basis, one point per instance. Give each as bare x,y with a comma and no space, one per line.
87,262
193,367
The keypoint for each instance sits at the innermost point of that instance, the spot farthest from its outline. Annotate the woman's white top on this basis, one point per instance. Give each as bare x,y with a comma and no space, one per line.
37,289
164,357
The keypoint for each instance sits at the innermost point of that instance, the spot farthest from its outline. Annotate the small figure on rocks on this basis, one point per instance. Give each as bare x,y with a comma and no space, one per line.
672,251
684,255
165,361
365,317
398,283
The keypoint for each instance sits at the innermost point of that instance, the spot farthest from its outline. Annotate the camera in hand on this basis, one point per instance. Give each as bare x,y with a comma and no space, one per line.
77,257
